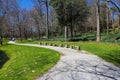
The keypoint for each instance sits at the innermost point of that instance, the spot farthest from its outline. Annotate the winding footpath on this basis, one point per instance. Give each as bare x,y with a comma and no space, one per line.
79,65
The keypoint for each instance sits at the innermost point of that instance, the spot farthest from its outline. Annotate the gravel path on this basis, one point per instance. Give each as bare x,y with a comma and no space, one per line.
79,65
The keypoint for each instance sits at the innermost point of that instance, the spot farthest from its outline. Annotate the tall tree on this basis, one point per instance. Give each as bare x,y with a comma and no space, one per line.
46,4
112,13
98,19
70,13
47,21
4,5
38,17
118,7
107,19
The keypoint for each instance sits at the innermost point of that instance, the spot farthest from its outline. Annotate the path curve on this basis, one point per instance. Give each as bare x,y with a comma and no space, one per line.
79,65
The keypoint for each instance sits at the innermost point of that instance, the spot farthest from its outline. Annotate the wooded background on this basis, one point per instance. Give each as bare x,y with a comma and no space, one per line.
68,19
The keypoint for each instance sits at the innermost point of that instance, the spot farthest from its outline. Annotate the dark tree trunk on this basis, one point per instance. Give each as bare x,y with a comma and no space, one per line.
1,42
31,33
119,21
25,34
20,34
71,24
47,21
71,31
1,24
107,20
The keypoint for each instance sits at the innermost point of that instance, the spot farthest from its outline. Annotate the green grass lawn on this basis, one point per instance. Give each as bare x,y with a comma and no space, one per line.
26,63
108,51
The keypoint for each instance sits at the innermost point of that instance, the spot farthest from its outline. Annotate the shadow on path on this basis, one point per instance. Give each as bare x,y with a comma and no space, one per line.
82,71
3,58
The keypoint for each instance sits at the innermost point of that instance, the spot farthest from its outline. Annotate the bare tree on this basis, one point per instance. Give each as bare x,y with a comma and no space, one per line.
37,15
118,7
46,4
3,12
91,22
112,13
52,22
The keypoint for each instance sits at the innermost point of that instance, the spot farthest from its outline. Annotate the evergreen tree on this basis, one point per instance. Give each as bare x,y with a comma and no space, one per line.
70,12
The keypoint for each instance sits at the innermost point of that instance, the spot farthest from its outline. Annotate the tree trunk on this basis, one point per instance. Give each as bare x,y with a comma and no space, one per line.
31,32
47,21
38,32
98,21
71,31
66,33
0,33
113,27
20,33
119,22
107,20
25,33
1,42
13,32
1,24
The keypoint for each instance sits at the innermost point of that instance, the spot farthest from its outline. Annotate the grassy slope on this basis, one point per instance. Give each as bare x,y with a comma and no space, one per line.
26,62
108,51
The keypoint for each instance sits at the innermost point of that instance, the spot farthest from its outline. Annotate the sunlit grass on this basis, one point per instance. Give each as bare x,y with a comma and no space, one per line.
107,51
26,63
